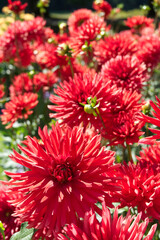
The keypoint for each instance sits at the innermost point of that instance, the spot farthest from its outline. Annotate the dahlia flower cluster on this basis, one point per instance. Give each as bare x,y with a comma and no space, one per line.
74,113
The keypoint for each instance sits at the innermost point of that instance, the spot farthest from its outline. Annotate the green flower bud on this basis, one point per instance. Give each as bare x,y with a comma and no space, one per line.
89,109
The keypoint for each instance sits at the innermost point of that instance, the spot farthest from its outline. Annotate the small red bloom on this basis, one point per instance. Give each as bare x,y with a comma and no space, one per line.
66,177
77,18
118,228
121,44
155,121
140,187
123,123
73,100
16,42
124,128
102,6
139,22
44,80
150,157
21,84
16,6
87,33
10,223
125,72
19,108
1,90
148,50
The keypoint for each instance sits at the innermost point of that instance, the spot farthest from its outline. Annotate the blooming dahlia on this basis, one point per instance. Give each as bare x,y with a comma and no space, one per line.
125,72
140,188
10,223
77,99
16,42
16,6
123,120
155,121
87,33
118,228
65,178
19,108
120,44
77,18
102,6
150,157
148,50
139,22
1,90
21,83
124,128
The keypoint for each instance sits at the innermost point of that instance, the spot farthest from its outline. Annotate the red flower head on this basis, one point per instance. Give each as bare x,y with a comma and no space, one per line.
137,23
149,50
102,6
87,33
19,108
155,121
44,80
150,157
123,123
16,6
65,178
77,18
10,223
16,42
118,228
1,90
21,83
124,128
76,101
121,44
141,188
125,72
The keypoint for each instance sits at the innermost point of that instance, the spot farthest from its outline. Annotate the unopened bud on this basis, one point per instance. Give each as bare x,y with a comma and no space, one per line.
146,107
89,109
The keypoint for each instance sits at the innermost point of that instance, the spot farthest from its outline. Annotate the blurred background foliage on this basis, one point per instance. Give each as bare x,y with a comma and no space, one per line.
70,5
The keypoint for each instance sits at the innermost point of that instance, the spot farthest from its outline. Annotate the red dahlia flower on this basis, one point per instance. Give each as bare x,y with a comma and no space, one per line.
66,177
125,72
125,128
21,83
150,157
19,108
44,80
122,121
140,188
77,18
77,99
16,42
87,33
149,50
102,6
10,223
121,44
16,6
155,121
1,90
118,228
139,22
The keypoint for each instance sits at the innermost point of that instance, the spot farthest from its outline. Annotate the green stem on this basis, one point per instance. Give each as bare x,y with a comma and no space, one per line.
71,66
129,152
100,117
147,131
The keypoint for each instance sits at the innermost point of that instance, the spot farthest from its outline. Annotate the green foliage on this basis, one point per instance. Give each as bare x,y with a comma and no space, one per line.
2,230
24,233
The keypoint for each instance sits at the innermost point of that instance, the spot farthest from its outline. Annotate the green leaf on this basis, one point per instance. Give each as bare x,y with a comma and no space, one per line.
2,230
24,233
